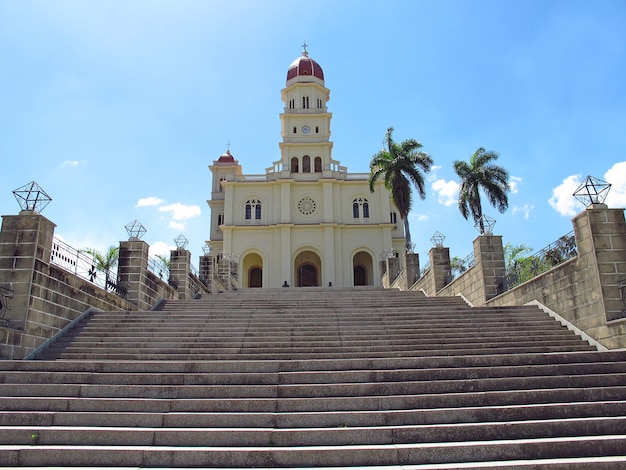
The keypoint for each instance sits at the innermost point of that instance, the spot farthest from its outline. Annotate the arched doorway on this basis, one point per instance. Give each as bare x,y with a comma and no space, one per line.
360,275
251,268
255,277
307,276
362,269
307,266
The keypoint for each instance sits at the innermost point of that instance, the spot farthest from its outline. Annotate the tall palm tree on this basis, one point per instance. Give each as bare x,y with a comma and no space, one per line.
399,164
104,261
481,174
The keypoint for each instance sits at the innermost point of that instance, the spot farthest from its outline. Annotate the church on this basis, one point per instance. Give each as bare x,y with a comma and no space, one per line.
307,221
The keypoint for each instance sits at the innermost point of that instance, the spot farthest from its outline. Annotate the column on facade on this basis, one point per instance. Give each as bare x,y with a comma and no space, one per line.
285,202
330,260
285,254
328,205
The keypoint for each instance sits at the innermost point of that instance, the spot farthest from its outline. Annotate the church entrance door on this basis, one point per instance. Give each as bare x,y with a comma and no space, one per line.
255,278
308,276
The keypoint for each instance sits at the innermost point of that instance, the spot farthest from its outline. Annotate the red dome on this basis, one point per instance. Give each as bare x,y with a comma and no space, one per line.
226,158
304,66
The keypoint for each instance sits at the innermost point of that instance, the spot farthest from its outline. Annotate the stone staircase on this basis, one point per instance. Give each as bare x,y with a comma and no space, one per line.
316,377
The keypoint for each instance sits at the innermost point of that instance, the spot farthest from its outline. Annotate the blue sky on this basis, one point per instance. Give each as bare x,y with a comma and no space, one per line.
117,108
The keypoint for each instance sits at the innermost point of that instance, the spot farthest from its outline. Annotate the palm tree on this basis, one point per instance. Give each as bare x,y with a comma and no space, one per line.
399,165
481,174
104,261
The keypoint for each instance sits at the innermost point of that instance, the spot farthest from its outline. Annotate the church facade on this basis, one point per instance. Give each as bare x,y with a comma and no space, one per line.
306,221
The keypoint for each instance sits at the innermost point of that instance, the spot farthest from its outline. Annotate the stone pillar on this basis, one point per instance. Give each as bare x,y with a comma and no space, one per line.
393,269
207,271
489,256
411,268
227,268
25,240
601,242
132,269
180,270
440,266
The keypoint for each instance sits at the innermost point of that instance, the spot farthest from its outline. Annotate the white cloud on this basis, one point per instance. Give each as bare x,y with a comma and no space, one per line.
148,201
513,183
177,225
432,176
161,248
617,177
73,163
562,199
181,211
526,209
447,191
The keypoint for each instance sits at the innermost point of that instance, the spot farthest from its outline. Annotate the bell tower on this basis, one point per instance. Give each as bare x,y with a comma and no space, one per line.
306,148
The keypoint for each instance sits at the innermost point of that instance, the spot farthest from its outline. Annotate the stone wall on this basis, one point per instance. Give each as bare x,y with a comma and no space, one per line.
57,298
144,287
583,291
42,298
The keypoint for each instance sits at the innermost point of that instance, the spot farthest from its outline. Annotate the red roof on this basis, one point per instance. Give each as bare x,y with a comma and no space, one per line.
304,66
226,158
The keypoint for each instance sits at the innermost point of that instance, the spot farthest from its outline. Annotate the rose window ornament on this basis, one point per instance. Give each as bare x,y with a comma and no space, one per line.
307,206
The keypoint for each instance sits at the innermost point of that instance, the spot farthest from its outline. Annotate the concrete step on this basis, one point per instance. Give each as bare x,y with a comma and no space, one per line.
315,378
330,436
172,404
285,420
313,456
309,377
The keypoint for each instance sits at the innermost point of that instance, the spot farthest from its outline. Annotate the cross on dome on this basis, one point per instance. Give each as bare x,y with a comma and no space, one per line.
305,53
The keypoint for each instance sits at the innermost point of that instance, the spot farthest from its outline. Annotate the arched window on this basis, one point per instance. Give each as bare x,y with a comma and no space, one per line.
220,221
253,206
360,208
306,164
318,164
305,102
292,103
294,165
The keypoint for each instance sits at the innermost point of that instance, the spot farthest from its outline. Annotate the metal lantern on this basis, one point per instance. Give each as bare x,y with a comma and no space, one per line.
31,197
592,191
135,230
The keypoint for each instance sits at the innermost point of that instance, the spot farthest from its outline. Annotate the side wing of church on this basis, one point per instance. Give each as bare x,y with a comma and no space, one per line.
306,221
